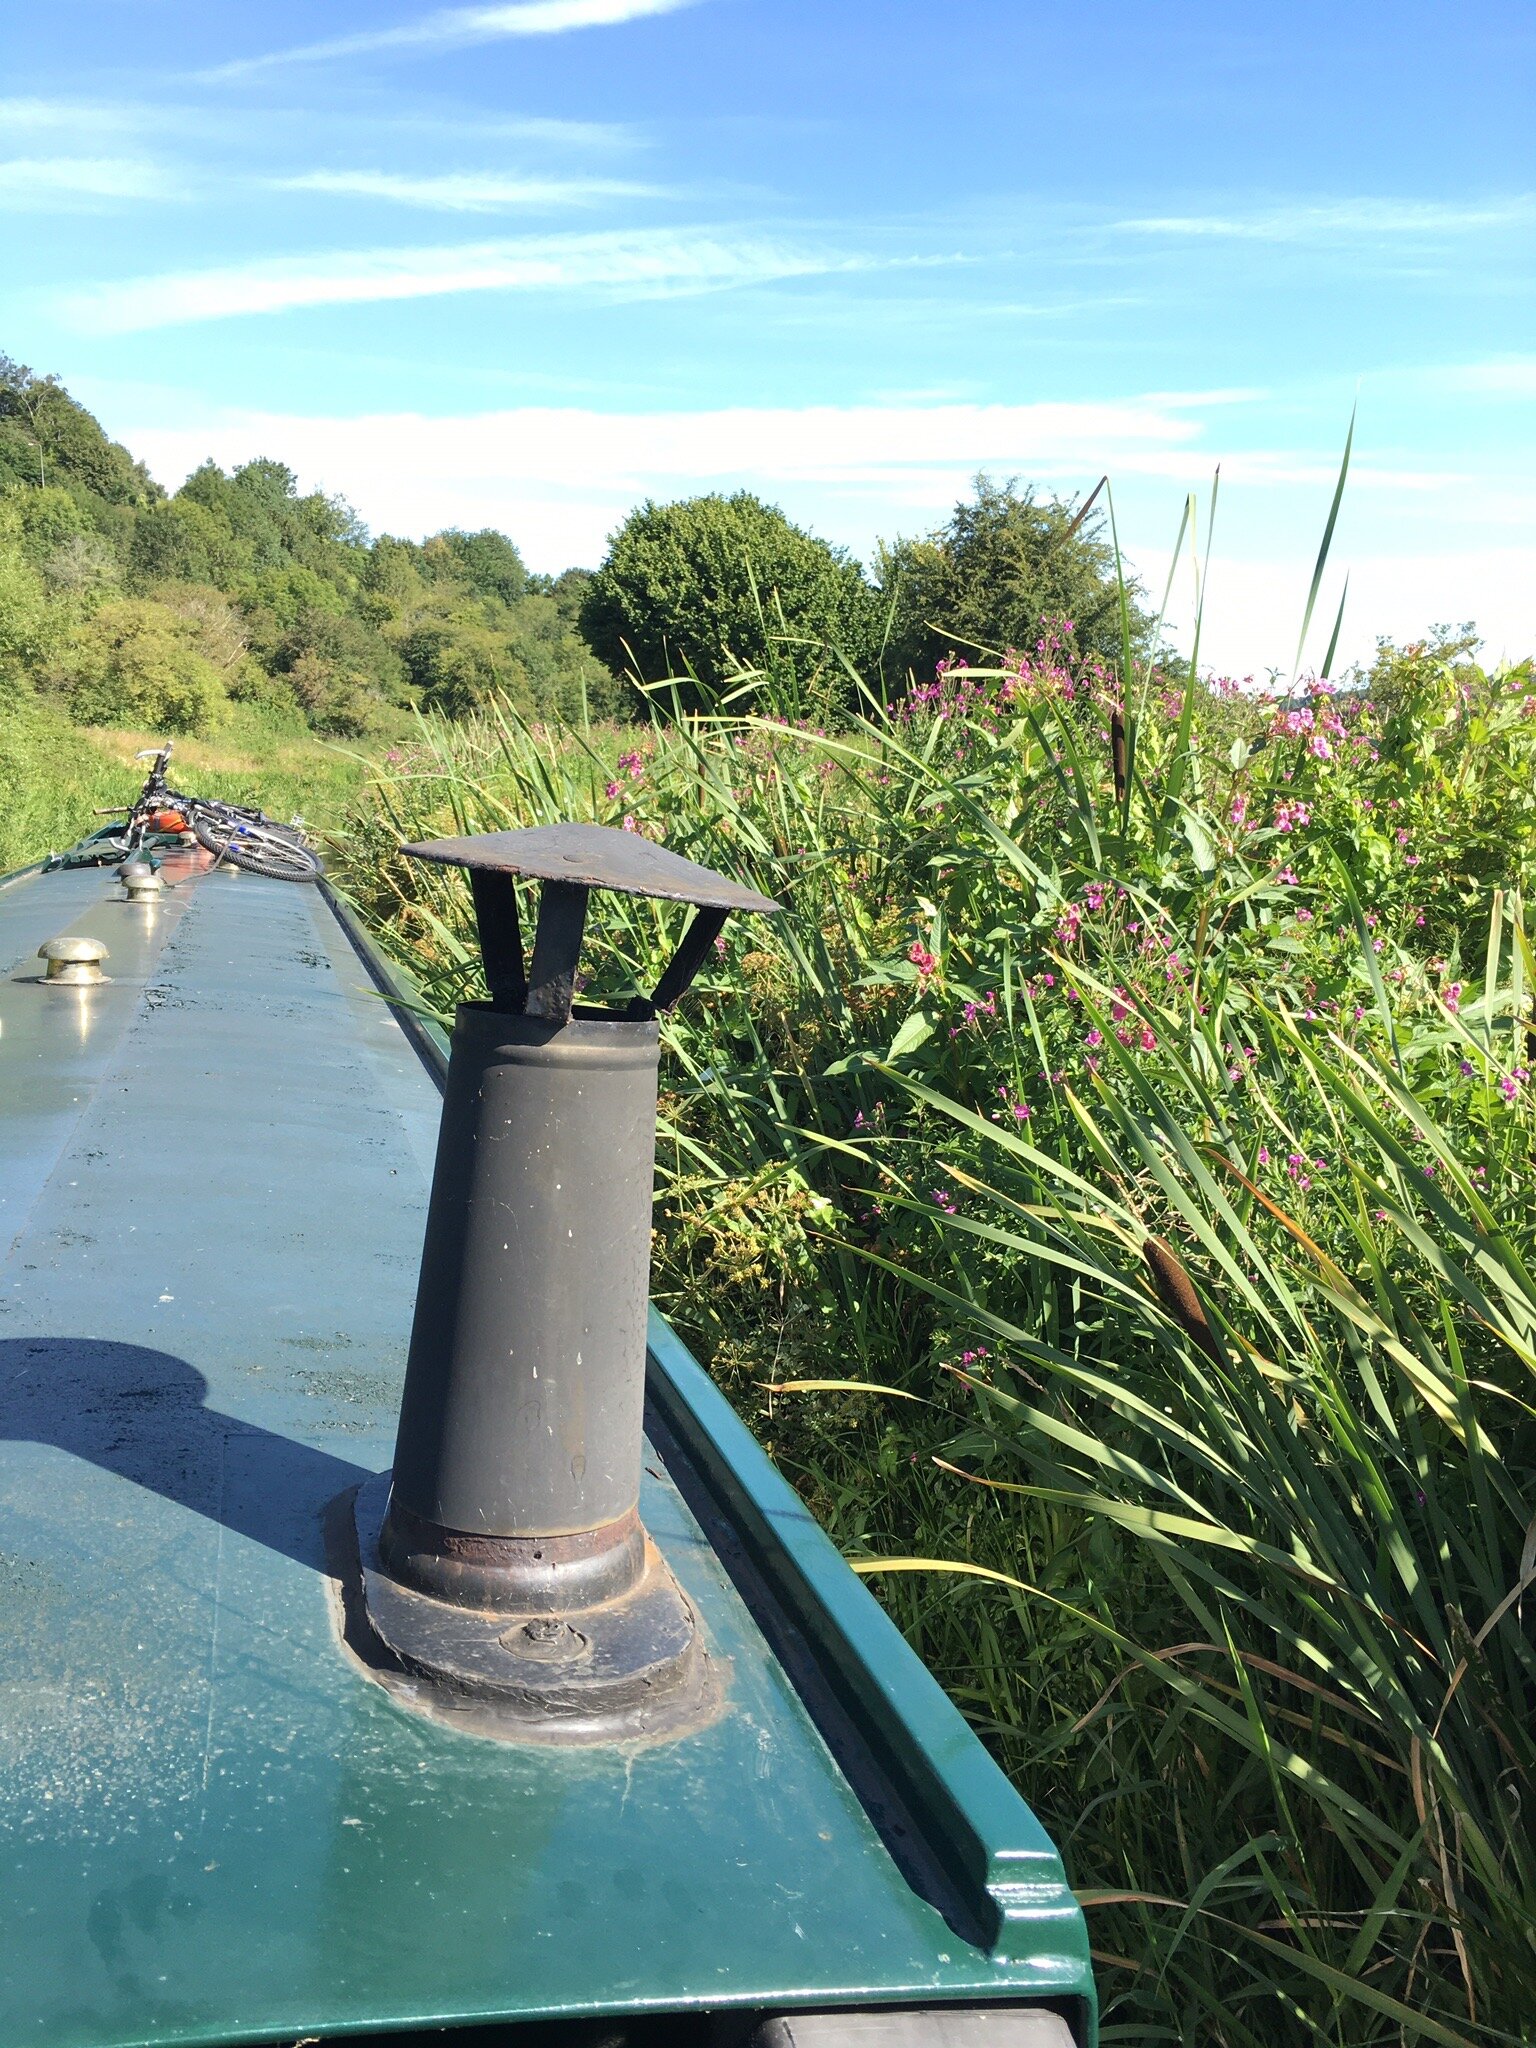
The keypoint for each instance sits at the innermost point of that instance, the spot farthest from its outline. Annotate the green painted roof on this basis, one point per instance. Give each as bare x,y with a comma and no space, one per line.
215,1828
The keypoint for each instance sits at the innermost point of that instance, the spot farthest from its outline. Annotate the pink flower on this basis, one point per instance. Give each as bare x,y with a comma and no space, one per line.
1452,998
612,789
1094,1038
925,962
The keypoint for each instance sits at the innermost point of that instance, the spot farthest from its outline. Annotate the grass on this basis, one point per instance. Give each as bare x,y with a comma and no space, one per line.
1108,1193
54,774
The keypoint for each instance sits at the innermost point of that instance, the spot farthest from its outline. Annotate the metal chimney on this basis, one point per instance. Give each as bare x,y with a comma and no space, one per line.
505,1570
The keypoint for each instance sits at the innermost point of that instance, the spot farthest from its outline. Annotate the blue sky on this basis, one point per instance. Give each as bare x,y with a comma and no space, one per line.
525,264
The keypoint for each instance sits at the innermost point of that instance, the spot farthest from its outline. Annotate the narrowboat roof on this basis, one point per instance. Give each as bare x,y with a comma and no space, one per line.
216,1828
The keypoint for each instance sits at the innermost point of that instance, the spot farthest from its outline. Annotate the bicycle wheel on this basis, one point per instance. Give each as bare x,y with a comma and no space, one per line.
263,849
212,829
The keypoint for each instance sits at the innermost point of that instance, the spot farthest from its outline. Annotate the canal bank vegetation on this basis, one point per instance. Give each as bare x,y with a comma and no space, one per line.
239,598
1107,1188
122,604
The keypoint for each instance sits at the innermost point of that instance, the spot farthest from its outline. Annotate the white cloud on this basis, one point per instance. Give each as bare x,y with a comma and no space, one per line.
67,182
1513,377
1341,220
642,262
561,479
36,116
1254,606
410,473
465,191
454,27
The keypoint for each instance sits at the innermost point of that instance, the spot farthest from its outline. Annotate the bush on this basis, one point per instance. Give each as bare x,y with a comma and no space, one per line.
137,663
1007,565
711,586
27,629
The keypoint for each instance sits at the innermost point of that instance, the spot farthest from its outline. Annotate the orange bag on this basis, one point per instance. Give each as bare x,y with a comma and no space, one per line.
168,821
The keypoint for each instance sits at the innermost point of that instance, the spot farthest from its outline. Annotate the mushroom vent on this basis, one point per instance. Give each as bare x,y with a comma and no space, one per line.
571,861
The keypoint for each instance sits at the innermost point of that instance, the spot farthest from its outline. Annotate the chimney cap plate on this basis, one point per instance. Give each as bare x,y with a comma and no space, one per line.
594,857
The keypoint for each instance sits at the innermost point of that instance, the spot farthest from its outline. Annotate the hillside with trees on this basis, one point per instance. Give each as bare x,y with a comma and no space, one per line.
131,606
122,604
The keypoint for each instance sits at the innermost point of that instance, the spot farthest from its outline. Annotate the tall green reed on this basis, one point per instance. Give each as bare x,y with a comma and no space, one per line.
1222,1545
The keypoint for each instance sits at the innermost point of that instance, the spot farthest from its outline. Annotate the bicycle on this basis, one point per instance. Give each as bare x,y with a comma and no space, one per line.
238,833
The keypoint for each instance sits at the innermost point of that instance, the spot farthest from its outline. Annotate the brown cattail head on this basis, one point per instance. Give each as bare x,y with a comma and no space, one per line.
1176,1292
1117,753
1530,1041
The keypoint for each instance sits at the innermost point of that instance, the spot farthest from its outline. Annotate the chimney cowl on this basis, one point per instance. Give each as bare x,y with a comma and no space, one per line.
504,1565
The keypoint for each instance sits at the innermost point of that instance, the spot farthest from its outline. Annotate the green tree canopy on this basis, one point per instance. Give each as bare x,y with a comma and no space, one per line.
487,561
712,584
46,438
137,662
1006,561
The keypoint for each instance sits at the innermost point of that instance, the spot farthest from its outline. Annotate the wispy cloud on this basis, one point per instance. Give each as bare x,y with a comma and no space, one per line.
454,27
1341,220
38,116
465,191
71,182
639,263
406,468
1511,377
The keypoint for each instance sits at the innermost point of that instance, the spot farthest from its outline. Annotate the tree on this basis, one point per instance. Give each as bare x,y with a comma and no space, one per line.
136,662
337,666
487,561
46,438
1006,562
185,542
711,585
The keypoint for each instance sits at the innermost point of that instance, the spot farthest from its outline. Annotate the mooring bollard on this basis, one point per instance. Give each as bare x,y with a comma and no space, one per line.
508,1571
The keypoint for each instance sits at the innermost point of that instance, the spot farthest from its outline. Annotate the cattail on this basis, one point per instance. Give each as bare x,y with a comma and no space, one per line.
1176,1292
1530,1041
1117,753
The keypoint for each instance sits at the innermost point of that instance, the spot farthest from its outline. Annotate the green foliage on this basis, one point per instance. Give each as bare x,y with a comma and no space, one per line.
336,664
26,627
1006,566
137,662
712,586
185,541
1173,1154
487,561
281,592
47,439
